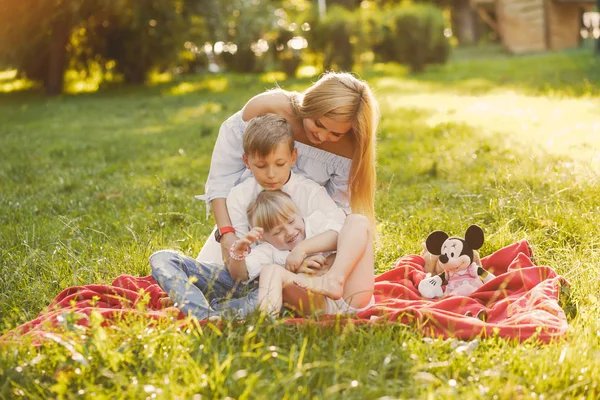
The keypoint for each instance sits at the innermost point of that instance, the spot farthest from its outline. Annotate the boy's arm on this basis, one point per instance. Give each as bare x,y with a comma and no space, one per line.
322,242
322,231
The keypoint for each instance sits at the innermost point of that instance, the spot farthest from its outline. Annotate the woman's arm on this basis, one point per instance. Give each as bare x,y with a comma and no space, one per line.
219,207
226,164
226,169
273,101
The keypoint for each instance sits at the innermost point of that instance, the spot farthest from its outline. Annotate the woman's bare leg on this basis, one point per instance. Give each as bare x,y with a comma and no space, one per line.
352,275
276,286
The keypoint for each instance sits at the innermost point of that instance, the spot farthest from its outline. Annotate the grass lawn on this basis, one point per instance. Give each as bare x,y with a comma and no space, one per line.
92,184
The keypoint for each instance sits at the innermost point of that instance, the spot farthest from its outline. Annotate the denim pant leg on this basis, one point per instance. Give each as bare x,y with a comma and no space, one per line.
244,301
172,271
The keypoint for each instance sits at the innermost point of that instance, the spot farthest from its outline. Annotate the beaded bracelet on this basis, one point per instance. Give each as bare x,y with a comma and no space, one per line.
236,256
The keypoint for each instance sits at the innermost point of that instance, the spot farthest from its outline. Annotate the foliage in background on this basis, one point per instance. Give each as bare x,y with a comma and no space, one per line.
335,37
34,36
413,35
140,37
247,23
42,38
131,39
289,59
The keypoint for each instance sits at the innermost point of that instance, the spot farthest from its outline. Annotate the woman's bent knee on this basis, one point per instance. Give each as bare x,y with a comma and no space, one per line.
359,221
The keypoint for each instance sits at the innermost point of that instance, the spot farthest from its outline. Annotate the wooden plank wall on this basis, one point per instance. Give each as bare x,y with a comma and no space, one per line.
523,25
564,22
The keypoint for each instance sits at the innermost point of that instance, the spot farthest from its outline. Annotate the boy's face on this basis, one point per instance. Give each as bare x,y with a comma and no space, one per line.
273,171
287,234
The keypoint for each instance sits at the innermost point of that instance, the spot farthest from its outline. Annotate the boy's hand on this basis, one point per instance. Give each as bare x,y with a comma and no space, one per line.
294,260
312,264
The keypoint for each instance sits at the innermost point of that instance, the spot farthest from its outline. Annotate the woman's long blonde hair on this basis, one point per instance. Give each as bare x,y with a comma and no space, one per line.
344,98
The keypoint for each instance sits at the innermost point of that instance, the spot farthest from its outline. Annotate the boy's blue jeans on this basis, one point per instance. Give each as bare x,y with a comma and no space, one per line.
173,270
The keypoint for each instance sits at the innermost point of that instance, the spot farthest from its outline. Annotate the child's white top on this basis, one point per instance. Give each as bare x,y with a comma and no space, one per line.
227,168
307,195
265,253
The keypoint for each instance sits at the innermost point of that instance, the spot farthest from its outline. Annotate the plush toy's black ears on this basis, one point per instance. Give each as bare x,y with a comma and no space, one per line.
474,237
434,242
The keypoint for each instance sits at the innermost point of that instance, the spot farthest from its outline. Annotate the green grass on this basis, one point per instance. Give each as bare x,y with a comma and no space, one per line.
92,184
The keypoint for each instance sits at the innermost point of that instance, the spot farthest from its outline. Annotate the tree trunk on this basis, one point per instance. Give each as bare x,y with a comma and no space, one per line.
598,40
57,58
464,21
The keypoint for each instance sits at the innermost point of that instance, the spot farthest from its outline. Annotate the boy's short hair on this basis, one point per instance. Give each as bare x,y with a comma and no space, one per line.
270,208
264,133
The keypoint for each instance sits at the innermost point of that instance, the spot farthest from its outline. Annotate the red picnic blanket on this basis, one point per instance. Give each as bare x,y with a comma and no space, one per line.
522,301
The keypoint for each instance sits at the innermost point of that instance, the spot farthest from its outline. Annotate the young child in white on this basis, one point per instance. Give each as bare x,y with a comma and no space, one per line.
269,153
295,248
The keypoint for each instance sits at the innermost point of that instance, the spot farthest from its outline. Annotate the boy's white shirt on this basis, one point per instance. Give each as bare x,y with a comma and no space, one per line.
265,253
307,195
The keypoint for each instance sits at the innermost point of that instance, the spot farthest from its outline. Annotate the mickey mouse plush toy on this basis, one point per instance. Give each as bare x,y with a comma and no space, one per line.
461,275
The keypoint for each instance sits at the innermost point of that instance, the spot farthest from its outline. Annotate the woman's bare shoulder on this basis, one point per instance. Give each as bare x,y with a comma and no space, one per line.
273,101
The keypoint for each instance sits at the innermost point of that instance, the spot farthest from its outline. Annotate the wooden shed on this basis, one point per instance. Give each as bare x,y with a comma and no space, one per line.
535,25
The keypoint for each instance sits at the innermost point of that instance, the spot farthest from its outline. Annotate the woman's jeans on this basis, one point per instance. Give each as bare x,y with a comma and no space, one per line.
189,283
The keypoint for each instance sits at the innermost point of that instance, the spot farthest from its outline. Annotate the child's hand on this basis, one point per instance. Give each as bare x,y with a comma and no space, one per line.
312,264
294,260
254,235
241,245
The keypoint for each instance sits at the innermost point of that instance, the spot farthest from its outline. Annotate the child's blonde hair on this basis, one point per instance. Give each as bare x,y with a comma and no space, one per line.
344,98
271,208
264,133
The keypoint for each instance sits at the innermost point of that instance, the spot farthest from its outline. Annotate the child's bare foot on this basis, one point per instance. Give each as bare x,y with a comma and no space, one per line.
326,285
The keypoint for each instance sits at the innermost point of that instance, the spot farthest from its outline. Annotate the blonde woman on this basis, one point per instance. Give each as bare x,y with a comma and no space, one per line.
334,123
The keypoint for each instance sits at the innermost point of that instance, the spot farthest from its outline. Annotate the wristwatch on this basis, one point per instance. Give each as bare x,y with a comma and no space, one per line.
219,232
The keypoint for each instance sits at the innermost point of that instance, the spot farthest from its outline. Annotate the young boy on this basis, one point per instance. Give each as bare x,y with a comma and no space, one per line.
288,239
269,153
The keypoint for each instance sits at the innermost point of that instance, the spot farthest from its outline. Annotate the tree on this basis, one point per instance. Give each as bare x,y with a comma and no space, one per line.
34,38
598,40
37,36
139,36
